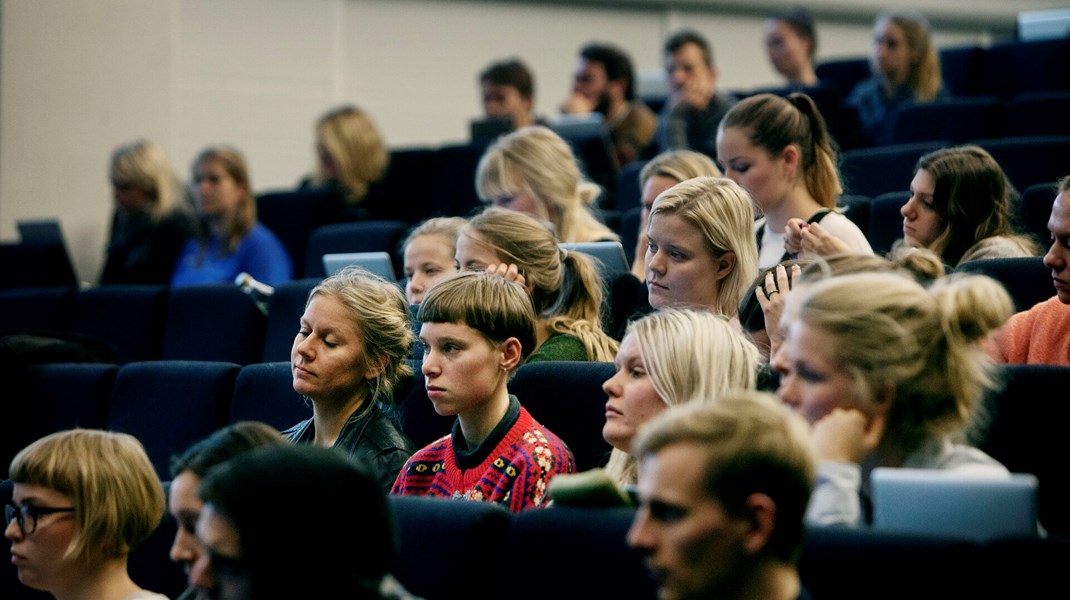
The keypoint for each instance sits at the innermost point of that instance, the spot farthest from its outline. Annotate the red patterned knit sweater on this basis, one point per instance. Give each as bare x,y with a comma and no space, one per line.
516,473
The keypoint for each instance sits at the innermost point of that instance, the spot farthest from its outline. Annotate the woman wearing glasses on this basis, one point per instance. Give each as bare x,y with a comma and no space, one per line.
72,524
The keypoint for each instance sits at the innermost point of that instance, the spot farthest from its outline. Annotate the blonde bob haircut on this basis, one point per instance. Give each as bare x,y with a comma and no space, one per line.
565,287
924,79
233,162
351,139
536,160
497,308
144,165
917,348
722,212
689,356
751,443
116,494
381,314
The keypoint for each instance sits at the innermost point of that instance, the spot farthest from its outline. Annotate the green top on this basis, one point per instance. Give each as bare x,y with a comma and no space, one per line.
560,346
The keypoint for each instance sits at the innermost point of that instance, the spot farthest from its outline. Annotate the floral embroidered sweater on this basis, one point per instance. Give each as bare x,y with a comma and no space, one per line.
512,467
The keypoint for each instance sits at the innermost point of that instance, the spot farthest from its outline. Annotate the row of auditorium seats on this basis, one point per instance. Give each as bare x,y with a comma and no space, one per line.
170,404
444,545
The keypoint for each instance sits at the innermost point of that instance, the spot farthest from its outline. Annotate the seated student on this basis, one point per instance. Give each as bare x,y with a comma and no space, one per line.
565,287
906,70
428,253
535,172
152,221
1041,335
351,158
723,487
779,150
604,82
348,355
476,329
791,42
82,500
889,374
689,119
701,251
508,92
250,503
670,357
230,240
960,206
187,471
659,174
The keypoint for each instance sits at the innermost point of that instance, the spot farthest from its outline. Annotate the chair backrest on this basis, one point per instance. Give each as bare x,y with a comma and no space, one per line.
885,221
956,119
608,256
51,397
292,215
629,193
36,308
594,153
1026,279
358,236
624,294
1016,67
629,231
213,322
1039,113
875,171
1029,160
844,73
285,308
591,547
264,392
169,404
960,67
856,207
453,173
404,192
129,317
415,412
567,398
449,548
1024,431
1035,209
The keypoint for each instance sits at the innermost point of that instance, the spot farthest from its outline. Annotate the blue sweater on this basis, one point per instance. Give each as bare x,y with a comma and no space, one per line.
259,253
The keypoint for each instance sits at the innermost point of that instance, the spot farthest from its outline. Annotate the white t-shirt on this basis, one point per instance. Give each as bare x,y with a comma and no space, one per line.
772,247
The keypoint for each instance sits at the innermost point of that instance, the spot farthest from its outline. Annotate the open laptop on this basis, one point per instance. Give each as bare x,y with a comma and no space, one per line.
939,502
39,233
379,263
485,131
610,255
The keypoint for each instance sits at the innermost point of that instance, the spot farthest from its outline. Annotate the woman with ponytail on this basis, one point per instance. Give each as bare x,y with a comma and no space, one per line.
565,287
779,150
890,374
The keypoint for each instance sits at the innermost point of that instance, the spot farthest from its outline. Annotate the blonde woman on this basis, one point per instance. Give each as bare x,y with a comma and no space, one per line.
906,70
348,355
659,174
428,253
700,246
151,222
889,374
565,287
72,523
230,240
534,171
670,357
351,157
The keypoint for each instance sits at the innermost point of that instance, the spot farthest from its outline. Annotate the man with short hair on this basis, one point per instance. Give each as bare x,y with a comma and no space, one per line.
604,82
723,487
1041,335
690,117
508,91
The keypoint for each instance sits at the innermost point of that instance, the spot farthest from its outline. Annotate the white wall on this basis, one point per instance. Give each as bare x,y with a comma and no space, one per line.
79,78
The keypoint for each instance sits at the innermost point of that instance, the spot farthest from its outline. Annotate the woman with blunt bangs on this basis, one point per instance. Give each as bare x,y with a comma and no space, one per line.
889,374
565,288
534,171
700,246
670,357
347,358
73,523
779,150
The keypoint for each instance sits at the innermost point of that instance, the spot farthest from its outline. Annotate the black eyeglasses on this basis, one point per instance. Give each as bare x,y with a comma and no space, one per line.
30,512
